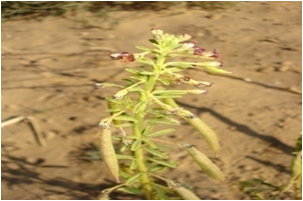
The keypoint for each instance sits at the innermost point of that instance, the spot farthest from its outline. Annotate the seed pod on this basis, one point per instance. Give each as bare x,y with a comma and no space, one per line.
207,133
185,193
204,162
104,195
107,151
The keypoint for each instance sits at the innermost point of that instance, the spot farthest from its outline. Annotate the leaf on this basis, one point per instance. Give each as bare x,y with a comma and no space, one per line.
156,153
161,193
133,165
130,82
170,92
215,70
157,168
132,71
143,48
134,191
118,102
150,143
133,179
168,96
124,148
147,129
165,82
163,121
165,163
136,145
126,118
139,107
162,132
147,73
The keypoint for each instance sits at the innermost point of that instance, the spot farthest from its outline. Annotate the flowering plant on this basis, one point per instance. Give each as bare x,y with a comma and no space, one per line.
144,102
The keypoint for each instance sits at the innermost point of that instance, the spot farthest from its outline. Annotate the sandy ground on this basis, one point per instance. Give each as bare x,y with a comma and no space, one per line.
49,64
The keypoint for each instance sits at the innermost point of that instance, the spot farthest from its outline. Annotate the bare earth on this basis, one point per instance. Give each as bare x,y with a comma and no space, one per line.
48,66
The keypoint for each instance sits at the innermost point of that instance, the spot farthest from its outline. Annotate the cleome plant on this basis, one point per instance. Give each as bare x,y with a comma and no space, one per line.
143,104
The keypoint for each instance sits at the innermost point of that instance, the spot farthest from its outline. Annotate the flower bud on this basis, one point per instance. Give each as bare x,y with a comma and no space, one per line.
120,94
124,56
184,37
157,33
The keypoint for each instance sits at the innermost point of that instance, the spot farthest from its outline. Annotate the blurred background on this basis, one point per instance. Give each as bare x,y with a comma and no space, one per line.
52,53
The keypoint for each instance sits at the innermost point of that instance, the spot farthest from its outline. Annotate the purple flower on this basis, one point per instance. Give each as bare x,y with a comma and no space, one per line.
124,56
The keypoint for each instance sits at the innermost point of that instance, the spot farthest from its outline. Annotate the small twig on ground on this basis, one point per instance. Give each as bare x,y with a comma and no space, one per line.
34,126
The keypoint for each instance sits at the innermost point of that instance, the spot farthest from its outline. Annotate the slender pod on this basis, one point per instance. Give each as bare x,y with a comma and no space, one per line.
204,162
185,193
108,154
206,132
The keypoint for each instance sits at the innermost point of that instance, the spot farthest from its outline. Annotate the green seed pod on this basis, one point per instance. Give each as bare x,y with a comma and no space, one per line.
185,193
204,162
207,133
107,151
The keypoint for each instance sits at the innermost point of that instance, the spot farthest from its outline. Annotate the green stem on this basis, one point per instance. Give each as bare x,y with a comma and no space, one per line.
146,181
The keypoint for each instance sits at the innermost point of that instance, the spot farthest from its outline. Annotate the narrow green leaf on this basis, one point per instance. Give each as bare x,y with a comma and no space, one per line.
133,165
170,92
139,107
156,153
114,110
150,143
125,117
146,61
162,132
143,48
134,191
157,168
118,102
136,145
130,82
133,179
147,73
163,121
165,163
215,70
147,129
124,148
125,175
163,81
168,96
132,71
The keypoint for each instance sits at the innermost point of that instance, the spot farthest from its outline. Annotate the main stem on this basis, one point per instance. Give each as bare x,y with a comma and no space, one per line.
146,181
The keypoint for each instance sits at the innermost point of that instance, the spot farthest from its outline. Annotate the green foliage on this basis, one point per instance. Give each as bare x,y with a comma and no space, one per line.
263,190
145,102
